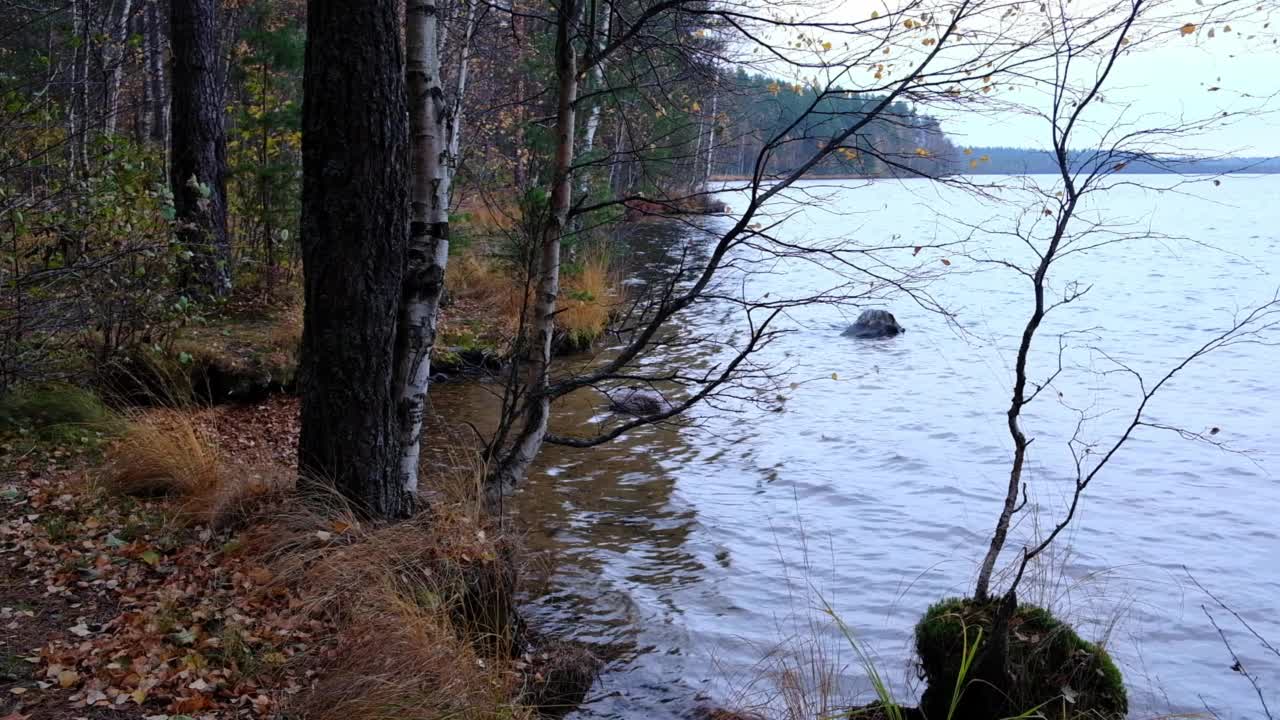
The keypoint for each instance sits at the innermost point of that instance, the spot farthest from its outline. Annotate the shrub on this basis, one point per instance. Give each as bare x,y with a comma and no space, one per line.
1052,669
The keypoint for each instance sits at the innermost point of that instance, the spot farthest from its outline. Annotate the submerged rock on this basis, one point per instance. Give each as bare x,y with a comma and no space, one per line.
874,324
638,401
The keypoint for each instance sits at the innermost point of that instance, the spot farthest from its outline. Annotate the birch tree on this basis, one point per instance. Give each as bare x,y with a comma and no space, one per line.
114,61
527,405
435,126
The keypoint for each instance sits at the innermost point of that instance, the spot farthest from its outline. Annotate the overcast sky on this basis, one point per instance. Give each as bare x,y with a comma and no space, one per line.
1162,85
1179,79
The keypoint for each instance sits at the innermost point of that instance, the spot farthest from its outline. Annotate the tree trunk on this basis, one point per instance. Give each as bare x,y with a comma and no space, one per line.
355,200
78,113
434,127
428,251
597,79
711,137
159,107
197,172
145,120
537,404
114,59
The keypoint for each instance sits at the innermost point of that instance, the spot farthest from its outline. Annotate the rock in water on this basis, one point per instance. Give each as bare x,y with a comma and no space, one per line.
638,401
875,324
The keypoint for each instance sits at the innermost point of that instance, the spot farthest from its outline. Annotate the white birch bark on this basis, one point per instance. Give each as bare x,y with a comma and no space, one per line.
113,57
434,141
77,115
147,116
597,82
155,79
711,137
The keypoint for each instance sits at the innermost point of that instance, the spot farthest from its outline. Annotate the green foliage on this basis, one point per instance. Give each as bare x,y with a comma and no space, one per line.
264,143
1053,669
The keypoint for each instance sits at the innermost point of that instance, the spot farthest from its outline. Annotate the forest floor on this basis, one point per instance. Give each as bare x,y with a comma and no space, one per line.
155,563
113,606
230,596
162,567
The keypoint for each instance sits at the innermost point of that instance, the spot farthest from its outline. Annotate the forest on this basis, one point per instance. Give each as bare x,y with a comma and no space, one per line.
306,305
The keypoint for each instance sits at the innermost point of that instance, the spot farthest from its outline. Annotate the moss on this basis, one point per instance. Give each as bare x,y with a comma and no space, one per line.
1050,667
56,412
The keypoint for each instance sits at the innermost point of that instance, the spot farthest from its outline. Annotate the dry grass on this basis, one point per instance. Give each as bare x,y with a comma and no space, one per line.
403,659
423,611
588,299
483,290
166,453
452,475
485,217
414,620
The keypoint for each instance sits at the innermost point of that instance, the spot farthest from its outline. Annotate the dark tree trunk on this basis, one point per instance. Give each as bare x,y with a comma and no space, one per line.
355,231
197,171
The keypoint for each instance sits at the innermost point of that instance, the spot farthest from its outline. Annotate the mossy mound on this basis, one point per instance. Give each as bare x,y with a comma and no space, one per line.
1048,666
55,412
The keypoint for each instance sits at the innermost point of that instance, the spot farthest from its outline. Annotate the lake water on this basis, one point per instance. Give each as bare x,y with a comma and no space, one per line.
692,555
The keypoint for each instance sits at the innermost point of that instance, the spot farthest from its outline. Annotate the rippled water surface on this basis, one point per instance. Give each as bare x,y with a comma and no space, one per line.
689,553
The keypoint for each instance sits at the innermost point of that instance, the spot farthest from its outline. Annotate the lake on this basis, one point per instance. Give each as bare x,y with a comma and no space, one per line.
692,555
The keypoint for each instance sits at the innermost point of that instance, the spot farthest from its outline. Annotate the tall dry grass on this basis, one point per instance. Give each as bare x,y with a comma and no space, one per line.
589,293
423,612
166,453
588,298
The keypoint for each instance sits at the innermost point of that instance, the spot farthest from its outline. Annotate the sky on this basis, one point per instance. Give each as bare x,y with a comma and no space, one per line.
1223,65
1164,84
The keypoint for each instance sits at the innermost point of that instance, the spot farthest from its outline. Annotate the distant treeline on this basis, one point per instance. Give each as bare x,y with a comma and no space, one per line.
758,109
1025,161
753,111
